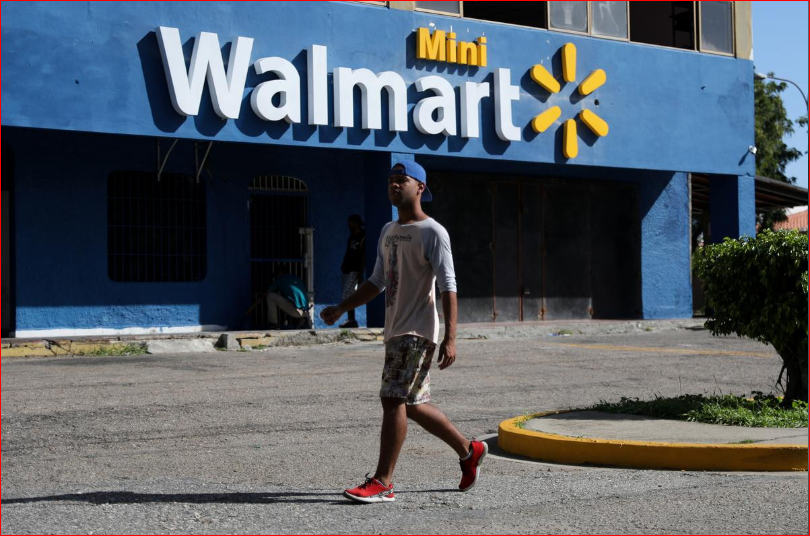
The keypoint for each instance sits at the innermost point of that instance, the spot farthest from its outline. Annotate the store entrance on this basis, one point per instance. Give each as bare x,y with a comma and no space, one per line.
529,250
280,239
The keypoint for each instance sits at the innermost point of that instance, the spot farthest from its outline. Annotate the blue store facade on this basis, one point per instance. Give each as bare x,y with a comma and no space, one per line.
161,160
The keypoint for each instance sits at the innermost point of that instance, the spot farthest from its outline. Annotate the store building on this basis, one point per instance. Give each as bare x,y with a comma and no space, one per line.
162,160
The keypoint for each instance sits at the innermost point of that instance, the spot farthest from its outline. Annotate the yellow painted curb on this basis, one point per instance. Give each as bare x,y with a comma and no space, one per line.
647,454
26,351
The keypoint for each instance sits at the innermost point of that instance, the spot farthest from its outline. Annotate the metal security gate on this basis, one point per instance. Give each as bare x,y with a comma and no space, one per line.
528,250
156,228
280,239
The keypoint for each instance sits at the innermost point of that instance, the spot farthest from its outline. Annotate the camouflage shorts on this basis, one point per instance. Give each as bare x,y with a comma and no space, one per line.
406,373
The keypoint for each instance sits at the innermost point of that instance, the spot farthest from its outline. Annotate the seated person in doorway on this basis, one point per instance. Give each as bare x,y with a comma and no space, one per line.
288,293
354,263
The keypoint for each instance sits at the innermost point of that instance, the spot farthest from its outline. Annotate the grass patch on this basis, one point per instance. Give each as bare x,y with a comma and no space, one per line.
565,332
116,350
520,422
758,411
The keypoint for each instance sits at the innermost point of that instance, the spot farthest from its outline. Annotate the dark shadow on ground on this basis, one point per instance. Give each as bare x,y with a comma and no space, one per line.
495,451
128,497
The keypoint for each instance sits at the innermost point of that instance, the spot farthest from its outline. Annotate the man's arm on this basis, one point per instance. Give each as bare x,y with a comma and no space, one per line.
447,350
364,294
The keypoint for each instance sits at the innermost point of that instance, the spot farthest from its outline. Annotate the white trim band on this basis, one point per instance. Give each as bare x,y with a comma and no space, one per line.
46,333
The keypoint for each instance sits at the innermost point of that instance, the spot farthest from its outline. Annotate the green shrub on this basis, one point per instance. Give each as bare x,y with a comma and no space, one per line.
757,288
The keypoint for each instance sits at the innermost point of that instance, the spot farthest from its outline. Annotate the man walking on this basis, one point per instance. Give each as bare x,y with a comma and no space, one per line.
413,254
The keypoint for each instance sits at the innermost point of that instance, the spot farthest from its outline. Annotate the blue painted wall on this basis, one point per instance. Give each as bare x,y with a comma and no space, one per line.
96,67
733,204
666,284
61,219
61,258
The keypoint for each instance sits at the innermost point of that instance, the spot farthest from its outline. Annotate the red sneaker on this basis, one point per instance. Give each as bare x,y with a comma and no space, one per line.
471,467
371,491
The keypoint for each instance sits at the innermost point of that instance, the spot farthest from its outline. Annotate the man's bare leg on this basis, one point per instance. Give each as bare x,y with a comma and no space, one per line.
392,436
434,421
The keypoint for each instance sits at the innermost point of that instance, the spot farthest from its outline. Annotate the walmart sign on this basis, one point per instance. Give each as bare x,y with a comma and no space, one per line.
280,99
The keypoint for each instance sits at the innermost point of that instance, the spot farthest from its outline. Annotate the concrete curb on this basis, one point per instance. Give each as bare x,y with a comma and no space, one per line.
647,455
173,344
521,330
259,340
61,347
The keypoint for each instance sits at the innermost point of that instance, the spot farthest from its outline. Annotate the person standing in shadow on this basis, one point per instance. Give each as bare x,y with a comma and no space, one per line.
354,264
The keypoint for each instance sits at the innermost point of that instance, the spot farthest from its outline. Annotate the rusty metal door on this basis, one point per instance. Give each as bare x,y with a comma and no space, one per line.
506,251
531,211
529,249
567,253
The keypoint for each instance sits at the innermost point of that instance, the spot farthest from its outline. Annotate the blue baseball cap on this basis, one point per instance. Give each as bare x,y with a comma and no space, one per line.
411,169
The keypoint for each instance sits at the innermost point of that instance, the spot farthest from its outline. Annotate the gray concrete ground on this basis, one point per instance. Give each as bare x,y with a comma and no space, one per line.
600,425
264,442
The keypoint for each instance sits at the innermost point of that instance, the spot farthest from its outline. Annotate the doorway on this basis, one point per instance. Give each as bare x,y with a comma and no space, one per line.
541,249
280,239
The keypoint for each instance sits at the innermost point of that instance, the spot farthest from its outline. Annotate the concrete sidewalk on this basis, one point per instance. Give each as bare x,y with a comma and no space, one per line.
596,424
159,343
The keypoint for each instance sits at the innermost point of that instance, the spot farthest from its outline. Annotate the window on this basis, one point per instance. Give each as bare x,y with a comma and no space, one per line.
156,230
569,16
609,19
668,24
716,34
531,14
452,8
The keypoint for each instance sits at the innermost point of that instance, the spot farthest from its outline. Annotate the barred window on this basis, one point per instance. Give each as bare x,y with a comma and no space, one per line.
156,230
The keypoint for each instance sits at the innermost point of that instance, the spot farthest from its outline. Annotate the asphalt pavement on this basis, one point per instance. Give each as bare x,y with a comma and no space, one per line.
265,442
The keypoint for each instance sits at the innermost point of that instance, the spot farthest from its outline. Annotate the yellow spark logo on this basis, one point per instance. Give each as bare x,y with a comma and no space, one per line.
541,122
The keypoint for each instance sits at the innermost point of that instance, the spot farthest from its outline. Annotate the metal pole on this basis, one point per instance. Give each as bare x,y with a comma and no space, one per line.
309,266
761,76
797,87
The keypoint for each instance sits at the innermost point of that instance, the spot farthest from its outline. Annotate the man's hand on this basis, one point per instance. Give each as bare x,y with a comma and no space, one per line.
447,353
331,314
